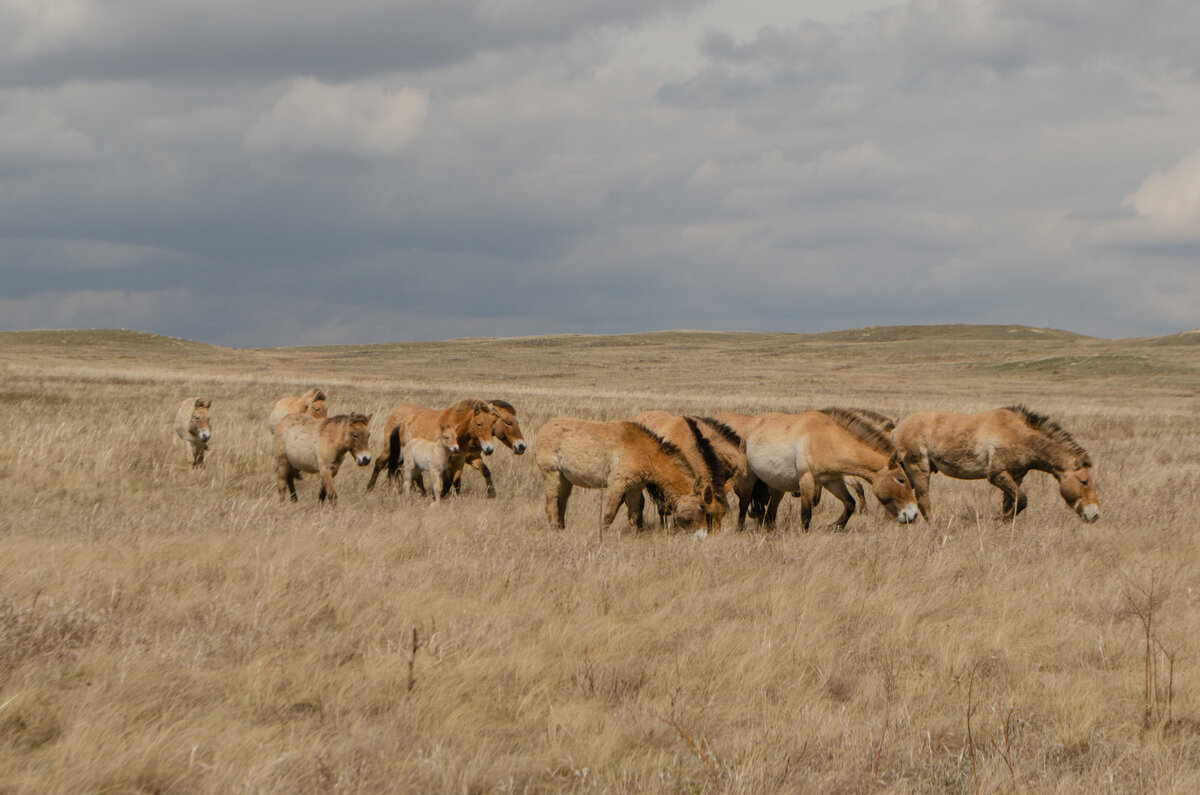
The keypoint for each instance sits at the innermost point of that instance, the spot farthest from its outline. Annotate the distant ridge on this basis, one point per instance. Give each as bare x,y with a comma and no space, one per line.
956,332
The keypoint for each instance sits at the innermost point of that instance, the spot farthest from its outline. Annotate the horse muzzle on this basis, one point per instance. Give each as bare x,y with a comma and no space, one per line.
204,436
1089,513
908,514
362,459
488,448
518,448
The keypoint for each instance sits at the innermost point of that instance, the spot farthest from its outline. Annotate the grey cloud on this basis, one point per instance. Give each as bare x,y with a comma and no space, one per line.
199,41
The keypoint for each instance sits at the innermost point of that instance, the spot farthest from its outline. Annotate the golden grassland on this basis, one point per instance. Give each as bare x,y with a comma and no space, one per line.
164,629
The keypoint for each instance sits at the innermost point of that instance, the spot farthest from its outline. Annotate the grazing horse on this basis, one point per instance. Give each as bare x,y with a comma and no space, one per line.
311,402
623,458
703,458
1002,445
473,424
423,455
506,430
304,443
192,425
802,452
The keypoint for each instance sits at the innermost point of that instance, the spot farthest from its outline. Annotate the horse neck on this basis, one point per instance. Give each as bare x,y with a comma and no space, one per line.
666,473
1048,454
861,459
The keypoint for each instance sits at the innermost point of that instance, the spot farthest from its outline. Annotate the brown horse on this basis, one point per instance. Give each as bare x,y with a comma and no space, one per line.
1002,445
803,452
702,456
423,455
311,402
623,458
473,425
304,443
193,426
758,493
506,430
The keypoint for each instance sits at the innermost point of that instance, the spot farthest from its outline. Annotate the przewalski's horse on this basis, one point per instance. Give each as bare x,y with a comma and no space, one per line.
817,449
304,443
623,458
507,431
703,458
473,424
423,455
192,425
311,402
1002,445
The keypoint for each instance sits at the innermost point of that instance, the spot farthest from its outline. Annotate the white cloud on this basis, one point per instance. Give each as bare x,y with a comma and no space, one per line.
1170,200
356,119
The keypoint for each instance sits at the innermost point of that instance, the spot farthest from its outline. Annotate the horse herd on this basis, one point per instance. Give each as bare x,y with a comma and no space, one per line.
689,466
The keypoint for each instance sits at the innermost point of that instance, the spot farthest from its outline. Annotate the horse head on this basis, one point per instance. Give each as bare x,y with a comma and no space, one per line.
358,438
893,488
1078,489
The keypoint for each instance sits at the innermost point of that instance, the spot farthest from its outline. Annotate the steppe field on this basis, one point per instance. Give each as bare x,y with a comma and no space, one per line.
167,629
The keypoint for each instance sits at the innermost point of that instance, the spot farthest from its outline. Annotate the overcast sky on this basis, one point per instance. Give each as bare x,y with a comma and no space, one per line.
311,172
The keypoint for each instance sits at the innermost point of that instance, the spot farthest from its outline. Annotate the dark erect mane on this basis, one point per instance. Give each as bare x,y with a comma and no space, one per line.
466,404
726,432
1044,425
504,405
717,473
861,428
881,421
671,450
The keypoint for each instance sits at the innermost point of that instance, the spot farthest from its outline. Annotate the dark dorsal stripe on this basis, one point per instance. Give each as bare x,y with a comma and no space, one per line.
671,450
862,429
728,433
717,474
1048,427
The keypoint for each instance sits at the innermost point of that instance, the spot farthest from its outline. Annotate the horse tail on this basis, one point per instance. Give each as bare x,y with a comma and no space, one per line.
395,456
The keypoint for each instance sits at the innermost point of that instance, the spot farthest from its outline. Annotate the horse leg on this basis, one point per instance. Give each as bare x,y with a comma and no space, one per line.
380,463
1013,496
285,480
436,474
477,462
327,489
837,487
809,494
634,502
558,489
614,496
198,449
1022,499
772,510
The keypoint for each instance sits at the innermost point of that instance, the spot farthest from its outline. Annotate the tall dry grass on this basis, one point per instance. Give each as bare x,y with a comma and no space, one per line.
164,629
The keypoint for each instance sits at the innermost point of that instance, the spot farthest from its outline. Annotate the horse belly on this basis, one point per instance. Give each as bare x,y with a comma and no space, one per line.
588,471
302,454
777,465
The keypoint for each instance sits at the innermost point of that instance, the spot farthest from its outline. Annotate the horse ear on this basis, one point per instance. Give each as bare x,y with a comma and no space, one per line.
203,403
1085,461
708,494
894,461
369,416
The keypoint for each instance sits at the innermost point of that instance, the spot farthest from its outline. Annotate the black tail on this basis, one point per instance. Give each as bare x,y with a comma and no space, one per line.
395,456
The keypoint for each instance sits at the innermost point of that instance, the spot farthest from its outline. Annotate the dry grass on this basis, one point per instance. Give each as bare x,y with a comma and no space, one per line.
170,630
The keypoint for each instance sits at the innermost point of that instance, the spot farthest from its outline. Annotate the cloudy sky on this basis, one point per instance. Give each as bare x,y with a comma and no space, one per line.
310,172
